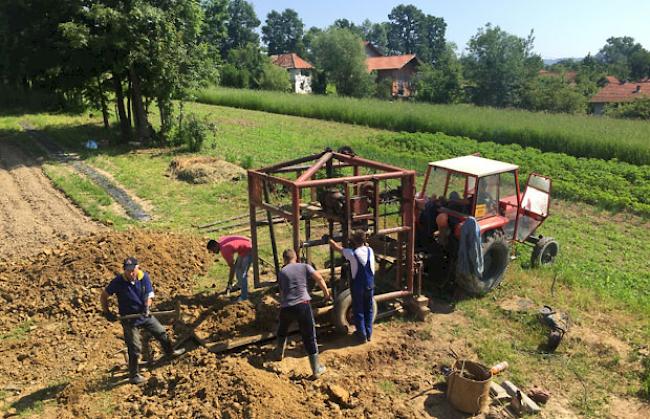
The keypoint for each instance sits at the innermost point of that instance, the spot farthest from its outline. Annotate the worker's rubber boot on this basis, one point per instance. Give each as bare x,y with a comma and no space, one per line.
278,352
134,372
169,349
316,368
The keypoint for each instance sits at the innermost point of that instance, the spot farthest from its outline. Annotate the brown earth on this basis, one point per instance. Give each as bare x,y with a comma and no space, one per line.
60,359
33,214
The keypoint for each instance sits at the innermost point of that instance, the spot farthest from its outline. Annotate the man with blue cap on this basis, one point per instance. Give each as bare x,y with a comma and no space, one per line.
134,296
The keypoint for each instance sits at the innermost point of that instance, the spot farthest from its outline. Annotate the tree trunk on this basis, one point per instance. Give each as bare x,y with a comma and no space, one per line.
125,127
102,100
139,114
128,104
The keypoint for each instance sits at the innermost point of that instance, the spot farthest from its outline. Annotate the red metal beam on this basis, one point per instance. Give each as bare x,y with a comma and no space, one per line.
315,167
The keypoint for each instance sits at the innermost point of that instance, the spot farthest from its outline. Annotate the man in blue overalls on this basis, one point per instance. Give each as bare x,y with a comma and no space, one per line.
134,296
362,286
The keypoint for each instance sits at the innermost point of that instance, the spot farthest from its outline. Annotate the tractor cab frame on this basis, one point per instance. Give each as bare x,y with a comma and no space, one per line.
488,190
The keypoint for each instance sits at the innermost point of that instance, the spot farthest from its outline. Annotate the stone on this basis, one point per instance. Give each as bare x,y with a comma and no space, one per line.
338,394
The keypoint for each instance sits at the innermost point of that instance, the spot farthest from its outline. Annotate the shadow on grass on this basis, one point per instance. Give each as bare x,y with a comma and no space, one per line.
33,400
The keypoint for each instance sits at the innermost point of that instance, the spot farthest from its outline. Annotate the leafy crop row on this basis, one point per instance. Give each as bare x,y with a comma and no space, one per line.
581,136
608,184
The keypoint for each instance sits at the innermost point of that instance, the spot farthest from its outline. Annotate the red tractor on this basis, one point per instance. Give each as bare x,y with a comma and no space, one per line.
488,190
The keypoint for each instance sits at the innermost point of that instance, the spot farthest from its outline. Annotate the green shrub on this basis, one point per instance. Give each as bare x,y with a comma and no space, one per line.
275,78
638,109
247,162
192,132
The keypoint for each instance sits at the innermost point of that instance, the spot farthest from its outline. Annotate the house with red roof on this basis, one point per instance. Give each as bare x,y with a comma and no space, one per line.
298,68
400,69
616,91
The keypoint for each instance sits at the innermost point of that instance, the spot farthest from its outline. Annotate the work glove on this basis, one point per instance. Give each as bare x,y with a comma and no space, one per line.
147,311
108,315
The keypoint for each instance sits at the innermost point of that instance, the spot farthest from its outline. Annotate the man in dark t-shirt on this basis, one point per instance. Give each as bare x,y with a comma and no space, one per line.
295,306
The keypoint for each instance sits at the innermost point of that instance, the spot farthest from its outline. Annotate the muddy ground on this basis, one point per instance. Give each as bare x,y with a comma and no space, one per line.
60,359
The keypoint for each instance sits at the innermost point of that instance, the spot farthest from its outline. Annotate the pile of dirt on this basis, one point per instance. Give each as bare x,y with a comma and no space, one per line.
205,169
227,320
65,282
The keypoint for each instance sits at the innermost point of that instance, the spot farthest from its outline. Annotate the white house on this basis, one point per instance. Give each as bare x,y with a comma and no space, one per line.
299,71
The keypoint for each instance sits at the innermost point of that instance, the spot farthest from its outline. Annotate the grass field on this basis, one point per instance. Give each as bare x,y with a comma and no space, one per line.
580,136
601,277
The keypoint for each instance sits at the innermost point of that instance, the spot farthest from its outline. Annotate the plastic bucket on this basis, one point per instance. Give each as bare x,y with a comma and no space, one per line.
468,387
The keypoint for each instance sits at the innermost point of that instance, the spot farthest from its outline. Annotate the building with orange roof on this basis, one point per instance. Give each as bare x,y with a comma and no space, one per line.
616,91
400,69
298,68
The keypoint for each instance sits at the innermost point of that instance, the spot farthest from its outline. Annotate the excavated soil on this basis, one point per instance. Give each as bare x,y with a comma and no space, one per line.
33,214
204,170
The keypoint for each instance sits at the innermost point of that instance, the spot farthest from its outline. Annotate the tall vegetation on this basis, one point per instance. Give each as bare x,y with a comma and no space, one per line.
580,136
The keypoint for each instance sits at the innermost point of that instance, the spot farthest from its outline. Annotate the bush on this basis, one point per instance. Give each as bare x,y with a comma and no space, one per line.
275,78
384,89
192,132
639,109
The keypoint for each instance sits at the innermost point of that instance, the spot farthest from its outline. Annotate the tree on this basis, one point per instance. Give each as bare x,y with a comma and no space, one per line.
350,26
617,53
244,67
553,94
440,83
241,25
410,31
499,65
341,55
640,64
215,30
405,33
377,34
283,32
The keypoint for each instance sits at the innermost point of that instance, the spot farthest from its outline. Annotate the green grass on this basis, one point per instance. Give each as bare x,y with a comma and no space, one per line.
580,136
94,200
19,332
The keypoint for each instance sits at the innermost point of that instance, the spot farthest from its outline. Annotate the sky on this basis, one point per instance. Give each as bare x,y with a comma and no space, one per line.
568,28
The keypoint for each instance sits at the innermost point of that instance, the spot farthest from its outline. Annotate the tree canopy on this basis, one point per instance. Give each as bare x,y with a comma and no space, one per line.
283,32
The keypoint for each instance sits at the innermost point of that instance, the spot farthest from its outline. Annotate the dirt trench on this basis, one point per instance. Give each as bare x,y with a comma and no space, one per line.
33,214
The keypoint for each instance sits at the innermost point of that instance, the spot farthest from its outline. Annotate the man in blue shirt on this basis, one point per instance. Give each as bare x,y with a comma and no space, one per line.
134,296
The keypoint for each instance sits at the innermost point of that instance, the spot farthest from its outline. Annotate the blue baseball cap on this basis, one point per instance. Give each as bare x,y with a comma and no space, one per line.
130,263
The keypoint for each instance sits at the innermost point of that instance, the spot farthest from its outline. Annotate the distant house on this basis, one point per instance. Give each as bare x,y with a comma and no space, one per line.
616,91
299,71
400,69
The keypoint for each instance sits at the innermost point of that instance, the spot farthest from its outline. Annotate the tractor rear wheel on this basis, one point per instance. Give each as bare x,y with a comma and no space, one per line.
342,315
496,256
545,251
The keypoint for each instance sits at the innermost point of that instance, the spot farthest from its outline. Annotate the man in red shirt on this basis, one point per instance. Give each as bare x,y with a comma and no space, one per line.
228,246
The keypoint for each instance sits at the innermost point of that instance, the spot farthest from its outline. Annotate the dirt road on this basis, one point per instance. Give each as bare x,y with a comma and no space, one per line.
33,214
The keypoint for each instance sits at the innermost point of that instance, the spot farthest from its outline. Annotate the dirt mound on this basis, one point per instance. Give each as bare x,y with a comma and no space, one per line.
65,282
205,170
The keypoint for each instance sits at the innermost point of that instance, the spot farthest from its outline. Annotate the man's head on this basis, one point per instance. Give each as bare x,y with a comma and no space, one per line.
131,267
289,256
213,246
358,238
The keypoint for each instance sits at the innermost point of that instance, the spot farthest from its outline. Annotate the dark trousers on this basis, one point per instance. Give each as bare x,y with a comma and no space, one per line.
305,317
362,308
133,339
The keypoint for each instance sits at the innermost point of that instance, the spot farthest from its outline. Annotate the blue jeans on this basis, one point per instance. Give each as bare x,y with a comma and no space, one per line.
241,273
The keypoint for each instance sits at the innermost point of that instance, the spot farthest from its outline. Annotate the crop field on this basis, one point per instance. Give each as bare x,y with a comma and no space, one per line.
580,136
600,278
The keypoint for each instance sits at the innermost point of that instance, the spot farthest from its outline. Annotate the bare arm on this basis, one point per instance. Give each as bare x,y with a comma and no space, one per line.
321,284
104,300
336,246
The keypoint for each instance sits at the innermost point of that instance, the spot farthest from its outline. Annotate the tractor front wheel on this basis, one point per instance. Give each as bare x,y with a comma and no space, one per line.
545,251
343,317
496,256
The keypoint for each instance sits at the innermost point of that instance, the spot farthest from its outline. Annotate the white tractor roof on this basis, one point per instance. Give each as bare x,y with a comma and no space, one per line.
474,165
